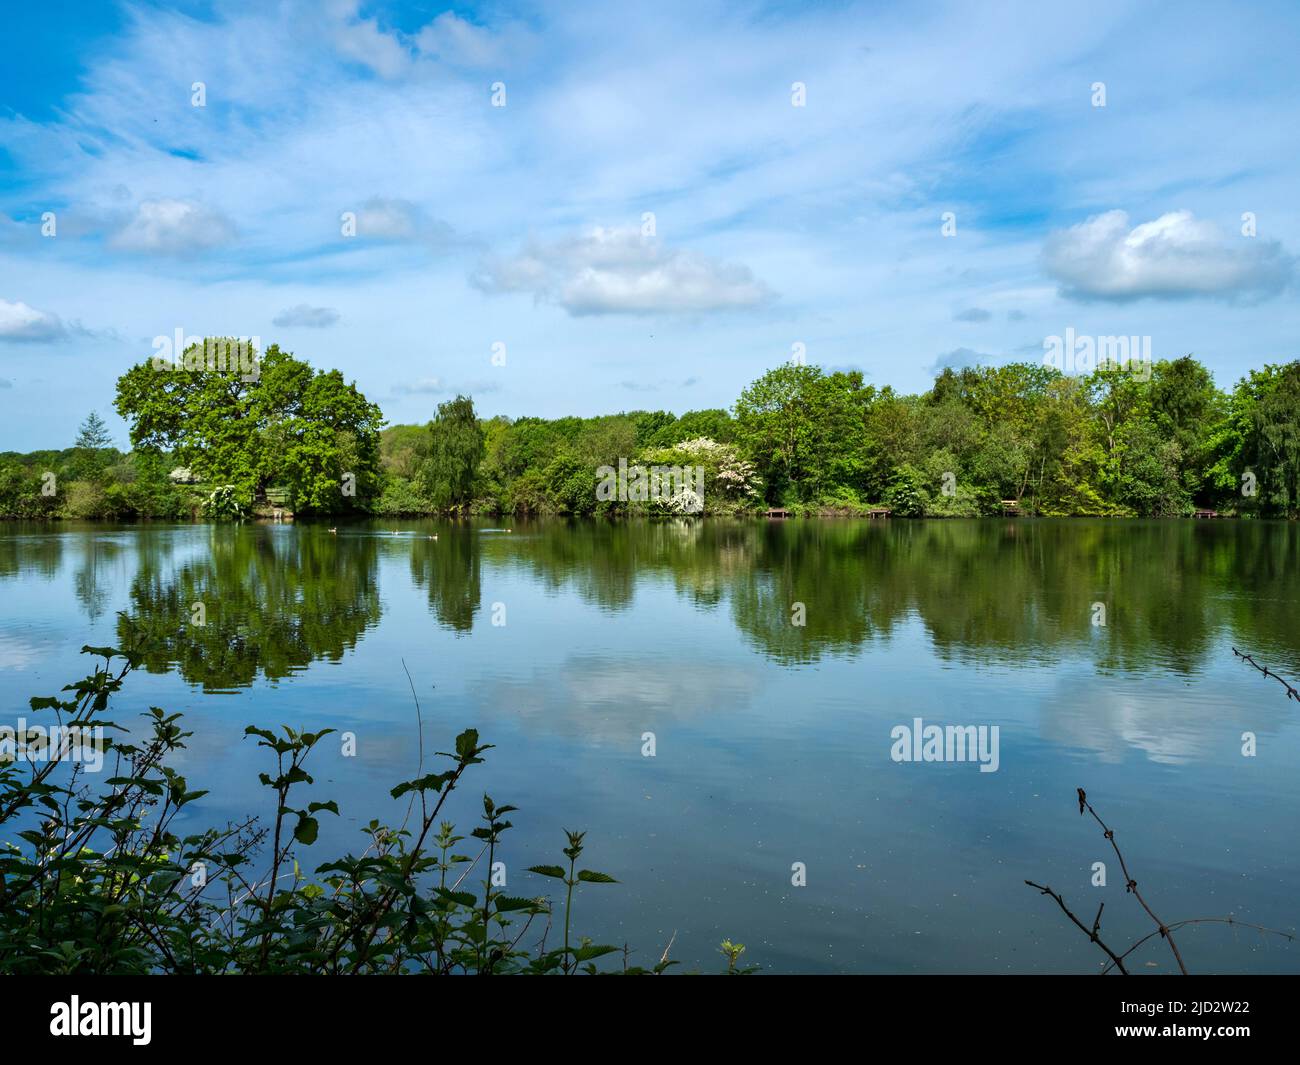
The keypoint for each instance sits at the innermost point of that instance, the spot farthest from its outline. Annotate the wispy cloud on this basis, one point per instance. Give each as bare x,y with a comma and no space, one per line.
776,223
960,358
435,386
304,316
395,219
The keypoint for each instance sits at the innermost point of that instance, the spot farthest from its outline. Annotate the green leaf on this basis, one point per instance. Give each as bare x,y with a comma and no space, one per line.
467,742
507,903
587,876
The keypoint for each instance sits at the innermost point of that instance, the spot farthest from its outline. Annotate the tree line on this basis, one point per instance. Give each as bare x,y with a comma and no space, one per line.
226,444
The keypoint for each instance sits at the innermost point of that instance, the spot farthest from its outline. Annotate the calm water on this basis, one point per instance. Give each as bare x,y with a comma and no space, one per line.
773,740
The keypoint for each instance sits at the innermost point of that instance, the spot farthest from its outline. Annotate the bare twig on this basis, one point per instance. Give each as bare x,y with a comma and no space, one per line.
419,768
1091,933
1165,931
1291,692
1290,936
1129,883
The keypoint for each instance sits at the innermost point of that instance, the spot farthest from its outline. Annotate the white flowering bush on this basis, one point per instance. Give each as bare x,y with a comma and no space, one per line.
223,503
731,481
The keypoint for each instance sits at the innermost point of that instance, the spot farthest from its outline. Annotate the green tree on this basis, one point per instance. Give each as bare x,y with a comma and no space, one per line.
456,447
92,444
1258,463
803,428
285,425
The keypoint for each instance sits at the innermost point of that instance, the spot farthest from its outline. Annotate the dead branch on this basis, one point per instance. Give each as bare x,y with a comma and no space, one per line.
1165,931
1091,933
1129,883
1291,693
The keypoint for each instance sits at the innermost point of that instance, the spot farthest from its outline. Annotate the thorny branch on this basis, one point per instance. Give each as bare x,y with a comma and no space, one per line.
1165,931
1291,693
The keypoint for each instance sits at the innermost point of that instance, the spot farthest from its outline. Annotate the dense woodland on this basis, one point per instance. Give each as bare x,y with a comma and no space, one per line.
1113,442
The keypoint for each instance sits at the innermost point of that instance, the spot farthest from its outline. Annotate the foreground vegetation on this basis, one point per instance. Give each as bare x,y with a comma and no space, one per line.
1109,443
94,880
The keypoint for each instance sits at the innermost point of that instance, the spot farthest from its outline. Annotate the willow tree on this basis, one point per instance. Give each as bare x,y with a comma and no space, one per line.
456,447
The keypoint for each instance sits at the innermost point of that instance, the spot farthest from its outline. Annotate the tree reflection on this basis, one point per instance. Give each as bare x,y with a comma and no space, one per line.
273,600
1014,590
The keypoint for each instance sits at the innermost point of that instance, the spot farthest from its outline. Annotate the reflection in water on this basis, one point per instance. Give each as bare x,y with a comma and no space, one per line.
27,547
1007,592
985,590
449,569
256,599
92,581
772,738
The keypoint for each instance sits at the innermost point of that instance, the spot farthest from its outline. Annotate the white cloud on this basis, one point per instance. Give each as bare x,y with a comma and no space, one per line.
365,43
1173,257
174,227
306,317
386,218
435,386
455,40
424,386
618,271
960,358
24,324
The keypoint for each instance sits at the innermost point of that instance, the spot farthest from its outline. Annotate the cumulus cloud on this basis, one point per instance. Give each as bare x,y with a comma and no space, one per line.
23,324
173,227
618,271
305,317
1176,256
972,314
387,218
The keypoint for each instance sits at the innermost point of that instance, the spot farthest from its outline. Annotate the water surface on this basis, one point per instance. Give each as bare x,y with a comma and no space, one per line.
772,739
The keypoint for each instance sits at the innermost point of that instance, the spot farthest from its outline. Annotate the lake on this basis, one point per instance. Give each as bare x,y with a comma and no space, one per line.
1101,651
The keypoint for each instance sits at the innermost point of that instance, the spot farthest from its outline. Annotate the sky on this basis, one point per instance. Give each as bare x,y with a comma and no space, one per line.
574,208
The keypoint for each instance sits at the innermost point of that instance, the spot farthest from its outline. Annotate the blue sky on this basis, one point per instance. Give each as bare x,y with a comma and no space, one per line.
649,221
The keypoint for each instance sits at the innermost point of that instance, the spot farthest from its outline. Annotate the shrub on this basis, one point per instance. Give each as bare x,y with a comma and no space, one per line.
96,881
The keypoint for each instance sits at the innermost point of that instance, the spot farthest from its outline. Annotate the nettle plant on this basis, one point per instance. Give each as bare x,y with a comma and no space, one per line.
93,878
